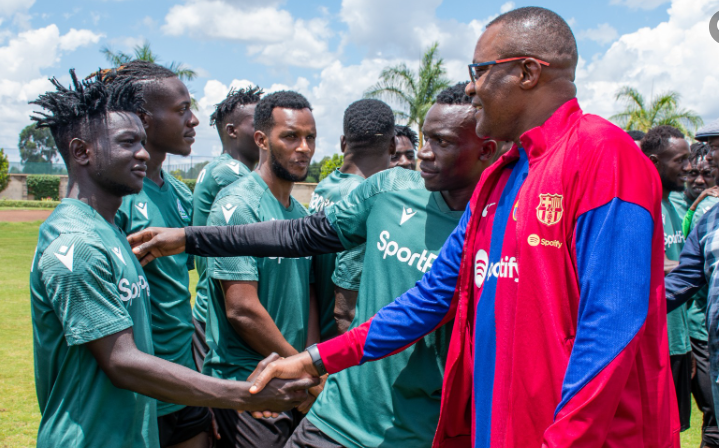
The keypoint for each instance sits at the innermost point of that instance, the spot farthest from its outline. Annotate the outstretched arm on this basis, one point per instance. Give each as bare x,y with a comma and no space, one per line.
688,278
398,325
129,368
293,238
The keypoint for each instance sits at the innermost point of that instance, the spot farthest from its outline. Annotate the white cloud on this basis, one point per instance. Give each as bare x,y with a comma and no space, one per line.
273,35
506,7
10,7
21,80
639,4
602,34
678,55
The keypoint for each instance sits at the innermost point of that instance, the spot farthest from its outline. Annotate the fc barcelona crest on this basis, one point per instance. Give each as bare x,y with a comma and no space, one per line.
550,210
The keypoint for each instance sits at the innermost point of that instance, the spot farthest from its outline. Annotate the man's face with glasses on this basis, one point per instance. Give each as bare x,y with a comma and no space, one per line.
405,156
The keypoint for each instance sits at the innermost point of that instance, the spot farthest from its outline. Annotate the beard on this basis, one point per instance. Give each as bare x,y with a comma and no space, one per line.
282,172
670,185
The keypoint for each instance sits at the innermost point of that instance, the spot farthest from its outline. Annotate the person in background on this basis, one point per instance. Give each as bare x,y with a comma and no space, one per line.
637,136
668,151
406,154
234,120
368,144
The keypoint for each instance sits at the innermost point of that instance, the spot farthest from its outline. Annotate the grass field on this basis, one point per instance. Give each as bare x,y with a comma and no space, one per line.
19,415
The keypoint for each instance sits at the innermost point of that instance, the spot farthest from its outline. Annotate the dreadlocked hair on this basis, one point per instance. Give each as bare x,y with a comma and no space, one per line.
241,97
137,71
406,131
698,152
72,111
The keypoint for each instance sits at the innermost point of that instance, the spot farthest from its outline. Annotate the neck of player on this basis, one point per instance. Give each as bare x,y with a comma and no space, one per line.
280,188
363,166
83,188
458,199
154,165
236,154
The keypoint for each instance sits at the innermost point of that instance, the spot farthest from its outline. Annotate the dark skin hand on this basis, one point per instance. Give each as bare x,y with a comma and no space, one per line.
129,368
156,242
345,304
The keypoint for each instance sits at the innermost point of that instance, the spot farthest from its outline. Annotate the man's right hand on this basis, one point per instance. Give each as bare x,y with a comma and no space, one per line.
281,395
297,366
156,242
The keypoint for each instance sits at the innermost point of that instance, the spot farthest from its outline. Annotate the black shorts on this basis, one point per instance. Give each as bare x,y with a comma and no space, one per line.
183,425
308,435
241,430
199,344
682,374
702,391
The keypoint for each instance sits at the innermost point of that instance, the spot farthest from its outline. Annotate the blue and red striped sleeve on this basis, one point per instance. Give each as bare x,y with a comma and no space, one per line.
617,246
413,315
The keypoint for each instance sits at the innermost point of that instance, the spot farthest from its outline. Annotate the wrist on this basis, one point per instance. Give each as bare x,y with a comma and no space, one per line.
316,359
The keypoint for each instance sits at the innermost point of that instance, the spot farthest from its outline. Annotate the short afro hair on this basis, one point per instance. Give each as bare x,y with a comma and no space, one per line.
406,131
454,95
367,122
241,97
537,32
636,135
284,99
657,139
73,111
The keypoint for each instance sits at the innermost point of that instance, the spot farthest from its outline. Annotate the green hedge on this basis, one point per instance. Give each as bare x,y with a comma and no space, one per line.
28,204
190,184
44,186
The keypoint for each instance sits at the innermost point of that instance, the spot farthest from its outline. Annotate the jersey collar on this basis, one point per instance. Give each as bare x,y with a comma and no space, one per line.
537,140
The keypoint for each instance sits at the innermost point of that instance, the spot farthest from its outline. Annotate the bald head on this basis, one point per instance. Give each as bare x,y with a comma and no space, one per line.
537,32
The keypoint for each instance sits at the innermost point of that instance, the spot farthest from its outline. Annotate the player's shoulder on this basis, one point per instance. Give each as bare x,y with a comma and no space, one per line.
71,251
227,170
179,187
597,137
242,196
393,179
245,188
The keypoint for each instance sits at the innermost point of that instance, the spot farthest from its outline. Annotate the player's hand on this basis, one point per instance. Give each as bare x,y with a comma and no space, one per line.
669,266
297,366
314,392
262,365
156,242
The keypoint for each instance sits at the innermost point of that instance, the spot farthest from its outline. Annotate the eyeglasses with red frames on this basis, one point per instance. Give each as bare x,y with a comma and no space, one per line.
474,75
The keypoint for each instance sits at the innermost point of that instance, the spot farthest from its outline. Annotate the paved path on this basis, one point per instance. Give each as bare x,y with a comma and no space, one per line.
24,215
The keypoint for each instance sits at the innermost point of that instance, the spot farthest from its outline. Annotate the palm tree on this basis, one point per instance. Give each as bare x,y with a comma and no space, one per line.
662,110
144,53
415,92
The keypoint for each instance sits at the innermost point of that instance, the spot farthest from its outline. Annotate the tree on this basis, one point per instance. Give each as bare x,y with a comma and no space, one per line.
663,109
36,145
144,53
415,92
314,170
4,165
330,165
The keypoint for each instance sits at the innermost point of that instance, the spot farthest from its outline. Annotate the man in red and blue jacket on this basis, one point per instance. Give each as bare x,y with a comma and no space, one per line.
554,276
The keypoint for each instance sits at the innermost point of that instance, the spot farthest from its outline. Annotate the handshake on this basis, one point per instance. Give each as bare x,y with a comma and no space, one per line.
280,384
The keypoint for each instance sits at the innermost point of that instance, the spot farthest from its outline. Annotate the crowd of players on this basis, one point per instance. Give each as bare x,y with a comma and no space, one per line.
579,352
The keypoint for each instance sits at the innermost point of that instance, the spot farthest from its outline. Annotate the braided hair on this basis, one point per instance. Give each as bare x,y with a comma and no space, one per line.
241,97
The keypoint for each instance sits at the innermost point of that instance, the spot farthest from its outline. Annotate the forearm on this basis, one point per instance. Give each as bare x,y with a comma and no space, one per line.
259,331
313,322
312,235
687,278
345,304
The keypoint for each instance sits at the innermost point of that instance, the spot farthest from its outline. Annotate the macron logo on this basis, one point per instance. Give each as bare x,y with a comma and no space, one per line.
228,210
118,254
65,256
407,213
235,167
142,208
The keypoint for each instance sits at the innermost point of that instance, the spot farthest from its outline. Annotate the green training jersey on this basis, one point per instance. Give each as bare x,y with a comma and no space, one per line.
697,312
393,402
172,328
282,283
85,285
677,320
219,173
343,269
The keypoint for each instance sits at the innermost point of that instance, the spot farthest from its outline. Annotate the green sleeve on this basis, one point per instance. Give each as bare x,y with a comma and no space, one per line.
232,268
348,269
687,222
81,287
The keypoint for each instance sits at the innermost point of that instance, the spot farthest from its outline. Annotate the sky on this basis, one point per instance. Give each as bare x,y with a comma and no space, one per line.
332,51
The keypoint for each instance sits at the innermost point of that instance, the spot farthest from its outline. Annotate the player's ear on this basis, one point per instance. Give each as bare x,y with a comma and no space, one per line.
230,130
343,144
393,146
262,141
487,150
79,151
655,160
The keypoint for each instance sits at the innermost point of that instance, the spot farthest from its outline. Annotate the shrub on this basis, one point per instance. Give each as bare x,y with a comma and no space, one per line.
190,183
330,165
44,186
28,204
4,165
